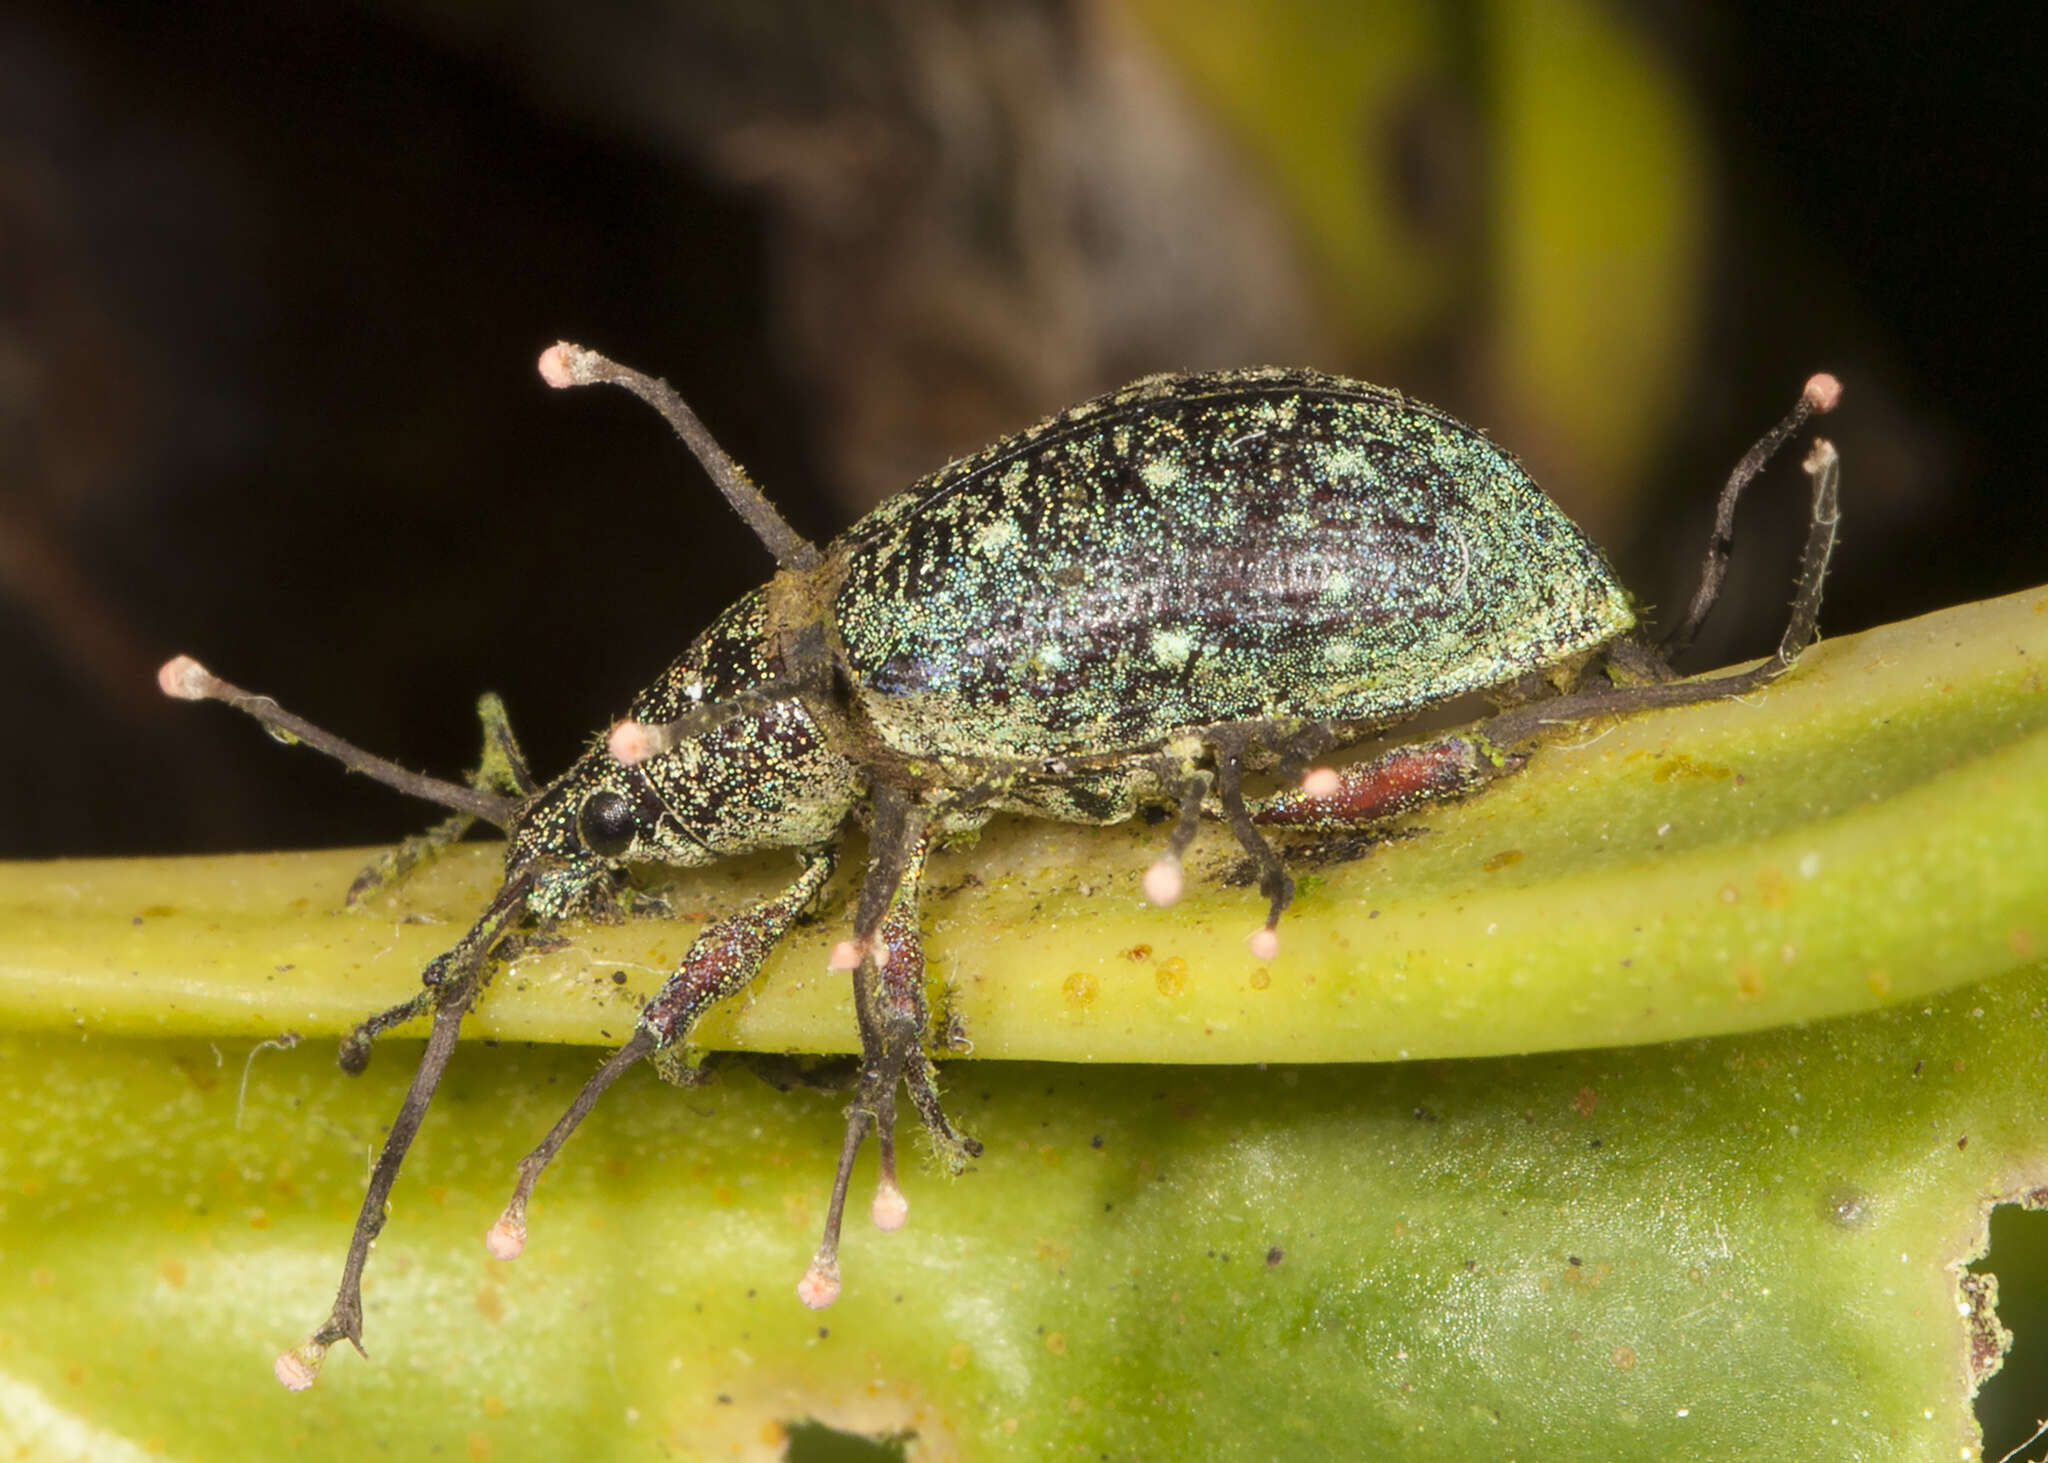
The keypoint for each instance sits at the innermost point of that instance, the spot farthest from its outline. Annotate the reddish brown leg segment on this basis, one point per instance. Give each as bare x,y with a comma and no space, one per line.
719,963
1371,792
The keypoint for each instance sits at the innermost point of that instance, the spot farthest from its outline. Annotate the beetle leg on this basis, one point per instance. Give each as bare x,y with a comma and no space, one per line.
1274,880
1164,880
1824,466
720,962
1350,798
501,770
906,1019
889,1001
1820,394
453,981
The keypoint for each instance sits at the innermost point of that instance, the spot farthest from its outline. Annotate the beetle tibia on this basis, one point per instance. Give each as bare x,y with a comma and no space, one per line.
507,1238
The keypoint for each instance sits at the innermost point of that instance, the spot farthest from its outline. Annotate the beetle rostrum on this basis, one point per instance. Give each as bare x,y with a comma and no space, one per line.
1124,608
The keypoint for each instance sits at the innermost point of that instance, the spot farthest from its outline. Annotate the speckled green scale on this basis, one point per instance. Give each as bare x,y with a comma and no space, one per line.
769,779
1198,550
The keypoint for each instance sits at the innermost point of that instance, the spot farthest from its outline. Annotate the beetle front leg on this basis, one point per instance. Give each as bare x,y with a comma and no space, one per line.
452,983
502,769
887,959
719,963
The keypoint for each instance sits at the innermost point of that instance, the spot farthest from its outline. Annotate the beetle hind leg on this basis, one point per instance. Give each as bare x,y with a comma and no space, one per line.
1164,881
1274,880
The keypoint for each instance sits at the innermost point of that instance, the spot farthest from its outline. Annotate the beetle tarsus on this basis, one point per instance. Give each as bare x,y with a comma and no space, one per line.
354,1055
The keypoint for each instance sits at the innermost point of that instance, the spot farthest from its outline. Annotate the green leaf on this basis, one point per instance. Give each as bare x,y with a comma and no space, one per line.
1736,1247
1863,832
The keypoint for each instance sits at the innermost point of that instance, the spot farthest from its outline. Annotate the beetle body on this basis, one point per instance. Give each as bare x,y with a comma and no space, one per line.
1195,550
1130,604
1037,623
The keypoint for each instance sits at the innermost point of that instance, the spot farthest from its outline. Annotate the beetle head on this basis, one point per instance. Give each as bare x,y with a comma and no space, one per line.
576,832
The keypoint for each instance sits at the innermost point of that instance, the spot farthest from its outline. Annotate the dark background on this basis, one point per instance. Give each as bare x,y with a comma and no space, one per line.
273,279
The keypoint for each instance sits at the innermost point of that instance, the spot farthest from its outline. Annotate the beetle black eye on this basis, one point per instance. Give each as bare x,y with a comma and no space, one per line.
606,823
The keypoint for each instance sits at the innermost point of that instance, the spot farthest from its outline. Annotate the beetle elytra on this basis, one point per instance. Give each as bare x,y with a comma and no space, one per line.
1128,606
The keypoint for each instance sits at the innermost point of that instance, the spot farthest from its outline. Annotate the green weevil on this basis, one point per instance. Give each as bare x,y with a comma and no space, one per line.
1125,608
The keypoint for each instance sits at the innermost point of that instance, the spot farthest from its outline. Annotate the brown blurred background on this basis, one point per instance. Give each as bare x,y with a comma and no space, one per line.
272,282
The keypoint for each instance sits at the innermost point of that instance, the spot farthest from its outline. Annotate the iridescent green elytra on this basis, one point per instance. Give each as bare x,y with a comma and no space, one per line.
1126,606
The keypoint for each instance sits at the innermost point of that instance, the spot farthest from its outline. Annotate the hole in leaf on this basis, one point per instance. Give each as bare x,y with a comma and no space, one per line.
2012,1403
811,1441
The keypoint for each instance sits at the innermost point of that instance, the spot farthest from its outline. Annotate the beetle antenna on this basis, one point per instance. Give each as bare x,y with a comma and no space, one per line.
1821,394
563,365
633,742
185,678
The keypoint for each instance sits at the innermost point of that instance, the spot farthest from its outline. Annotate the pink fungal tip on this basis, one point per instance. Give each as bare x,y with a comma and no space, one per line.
847,953
1321,782
820,1285
299,1368
1164,881
506,1240
1265,943
183,677
554,366
1823,392
890,1208
630,743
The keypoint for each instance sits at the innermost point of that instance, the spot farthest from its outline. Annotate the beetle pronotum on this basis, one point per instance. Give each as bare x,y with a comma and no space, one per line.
1131,604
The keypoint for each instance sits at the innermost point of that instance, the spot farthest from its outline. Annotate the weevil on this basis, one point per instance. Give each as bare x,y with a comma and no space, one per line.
1126,607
